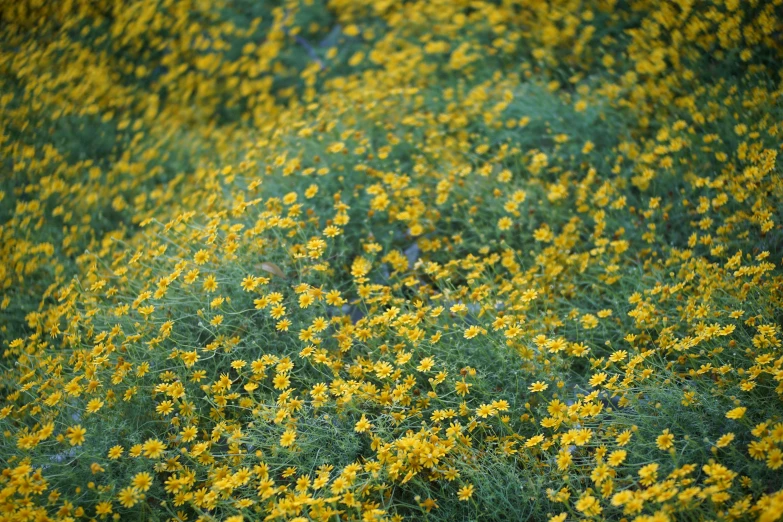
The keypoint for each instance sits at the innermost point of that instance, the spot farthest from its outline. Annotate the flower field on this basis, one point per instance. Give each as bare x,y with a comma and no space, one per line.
436,260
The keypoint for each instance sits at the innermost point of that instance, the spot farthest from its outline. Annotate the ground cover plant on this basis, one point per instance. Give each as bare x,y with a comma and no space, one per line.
374,260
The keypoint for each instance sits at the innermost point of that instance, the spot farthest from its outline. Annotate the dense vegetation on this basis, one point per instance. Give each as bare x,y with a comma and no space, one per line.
377,260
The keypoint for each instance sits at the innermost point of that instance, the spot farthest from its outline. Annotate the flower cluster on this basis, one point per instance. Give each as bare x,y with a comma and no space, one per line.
367,260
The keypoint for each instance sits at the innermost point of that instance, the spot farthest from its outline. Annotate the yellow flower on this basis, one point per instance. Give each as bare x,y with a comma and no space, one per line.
360,267
665,440
189,433
201,257
288,438
776,434
210,283
485,410
616,457
622,497
462,388
564,459
624,438
283,325
458,308
75,435
103,508
588,504
336,147
589,321
115,452
736,413
426,364
94,405
648,474
153,448
305,300
249,283
597,379
128,497
465,492
363,425
538,386
142,481
473,331
775,458
724,440
281,381
277,311
165,407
